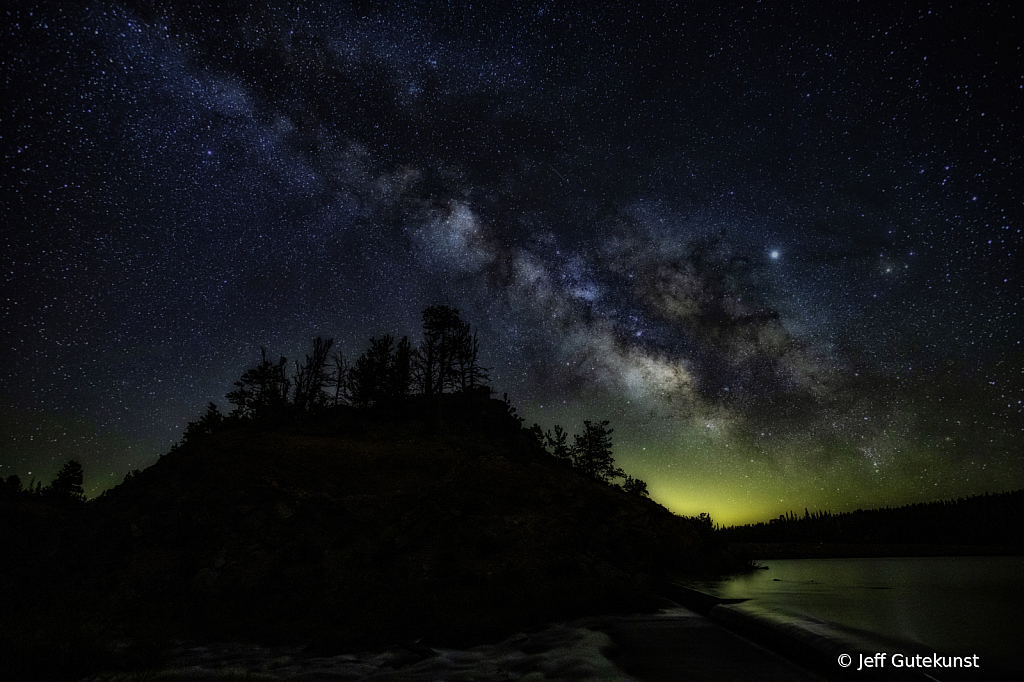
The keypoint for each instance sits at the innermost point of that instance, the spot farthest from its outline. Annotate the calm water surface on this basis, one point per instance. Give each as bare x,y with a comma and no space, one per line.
959,605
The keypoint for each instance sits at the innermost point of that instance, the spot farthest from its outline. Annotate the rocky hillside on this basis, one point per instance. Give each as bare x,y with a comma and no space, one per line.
445,521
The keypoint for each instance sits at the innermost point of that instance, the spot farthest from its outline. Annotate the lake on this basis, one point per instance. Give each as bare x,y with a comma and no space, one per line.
958,605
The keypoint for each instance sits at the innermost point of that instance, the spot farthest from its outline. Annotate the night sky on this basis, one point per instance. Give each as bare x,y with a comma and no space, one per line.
778,248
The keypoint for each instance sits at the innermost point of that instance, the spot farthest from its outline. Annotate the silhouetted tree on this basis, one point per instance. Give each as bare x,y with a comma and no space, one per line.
511,409
400,370
592,452
635,486
557,443
67,487
210,422
312,376
381,373
538,435
432,363
262,390
12,485
447,358
339,379
468,372
368,376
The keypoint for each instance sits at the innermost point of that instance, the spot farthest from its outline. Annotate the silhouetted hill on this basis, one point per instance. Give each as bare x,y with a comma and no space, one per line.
442,520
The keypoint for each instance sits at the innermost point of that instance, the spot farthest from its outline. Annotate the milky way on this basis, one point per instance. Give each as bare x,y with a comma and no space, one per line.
776,249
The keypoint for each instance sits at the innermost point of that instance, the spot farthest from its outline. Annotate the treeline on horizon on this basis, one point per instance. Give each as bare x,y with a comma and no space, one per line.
390,378
990,519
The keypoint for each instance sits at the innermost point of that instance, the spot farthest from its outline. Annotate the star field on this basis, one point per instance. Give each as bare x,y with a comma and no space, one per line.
777,248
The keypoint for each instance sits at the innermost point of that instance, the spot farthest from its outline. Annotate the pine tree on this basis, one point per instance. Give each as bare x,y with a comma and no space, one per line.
434,359
381,374
209,423
447,358
592,452
67,487
557,442
635,486
263,390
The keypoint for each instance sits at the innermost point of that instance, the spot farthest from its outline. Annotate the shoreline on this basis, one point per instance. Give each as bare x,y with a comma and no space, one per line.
755,551
818,645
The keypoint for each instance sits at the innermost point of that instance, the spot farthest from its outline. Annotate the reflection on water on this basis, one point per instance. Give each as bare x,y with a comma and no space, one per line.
959,605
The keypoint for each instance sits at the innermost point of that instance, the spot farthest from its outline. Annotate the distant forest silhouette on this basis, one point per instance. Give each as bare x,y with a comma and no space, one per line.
989,519
390,379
